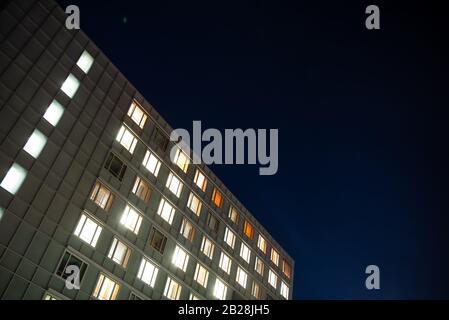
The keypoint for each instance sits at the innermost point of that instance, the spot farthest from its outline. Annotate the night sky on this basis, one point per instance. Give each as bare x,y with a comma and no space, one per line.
362,118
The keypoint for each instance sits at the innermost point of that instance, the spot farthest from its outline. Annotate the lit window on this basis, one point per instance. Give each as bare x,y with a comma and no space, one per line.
131,219
245,253
119,253
187,230
106,289
229,237
225,263
194,204
49,296
241,277
127,139
35,143
67,263
207,247
157,240
201,275
166,211
70,86
152,163
284,290
193,297
54,113
272,278
217,198
14,179
220,290
147,272
181,160
262,244
137,114
233,214
85,61
200,180
88,230
142,189
255,290
275,256
172,289
248,230
286,269
102,196
180,258
174,184
259,266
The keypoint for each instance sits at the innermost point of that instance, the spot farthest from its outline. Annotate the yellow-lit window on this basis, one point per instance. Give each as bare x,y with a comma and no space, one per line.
255,290
201,275
127,139
194,204
137,114
106,289
207,247
217,198
225,263
262,244
200,180
172,289
248,230
275,256
233,214
181,160
119,252
187,230
142,189
286,269
102,196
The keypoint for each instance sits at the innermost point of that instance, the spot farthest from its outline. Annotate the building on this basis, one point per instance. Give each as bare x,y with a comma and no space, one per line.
87,187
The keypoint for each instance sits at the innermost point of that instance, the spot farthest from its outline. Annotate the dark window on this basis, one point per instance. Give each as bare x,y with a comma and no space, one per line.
134,296
160,139
213,222
115,166
70,260
158,240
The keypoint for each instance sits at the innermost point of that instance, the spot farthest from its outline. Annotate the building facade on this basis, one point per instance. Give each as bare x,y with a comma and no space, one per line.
91,206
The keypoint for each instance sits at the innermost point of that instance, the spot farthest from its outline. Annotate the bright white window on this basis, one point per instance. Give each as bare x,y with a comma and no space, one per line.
193,297
274,256
131,219
147,272
229,237
181,160
194,204
137,114
166,211
207,247
241,277
88,230
225,263
35,143
180,258
174,184
172,289
127,139
259,266
272,278
14,179
85,61
119,253
233,214
220,290
245,253
54,113
284,290
200,180
262,244
70,85
152,163
106,289
201,275
255,290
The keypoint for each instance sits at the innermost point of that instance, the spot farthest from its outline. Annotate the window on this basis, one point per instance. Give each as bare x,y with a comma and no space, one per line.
160,139
194,204
119,253
14,179
147,272
217,198
248,230
255,290
131,219
67,263
166,211
142,189
207,247
220,290
275,256
152,163
70,86
106,289
262,244
85,62
174,184
49,296
35,144
181,160
201,275
172,289
200,180
225,263
180,258
88,230
134,296
245,253
241,277
284,290
233,215
213,222
137,114
187,230
259,266
102,196
286,269
193,297
229,237
157,240
272,278
115,166
54,113
127,139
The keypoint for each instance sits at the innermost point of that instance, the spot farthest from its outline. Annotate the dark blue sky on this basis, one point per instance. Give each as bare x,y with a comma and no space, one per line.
362,118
